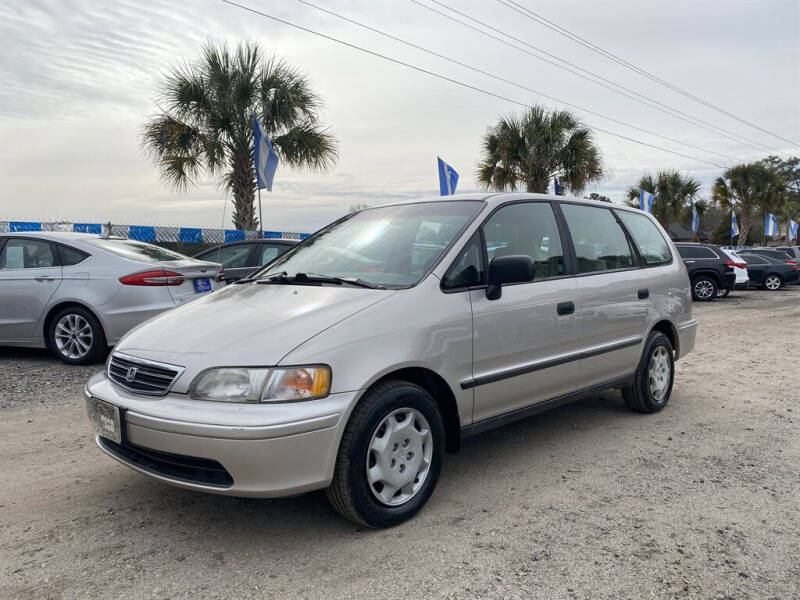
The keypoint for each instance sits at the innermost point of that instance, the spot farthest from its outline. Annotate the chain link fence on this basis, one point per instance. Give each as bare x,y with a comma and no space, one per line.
188,240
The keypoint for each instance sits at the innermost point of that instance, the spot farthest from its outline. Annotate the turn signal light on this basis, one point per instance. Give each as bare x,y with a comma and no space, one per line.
153,278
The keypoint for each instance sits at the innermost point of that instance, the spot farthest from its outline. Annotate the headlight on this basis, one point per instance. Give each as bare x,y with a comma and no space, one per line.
242,384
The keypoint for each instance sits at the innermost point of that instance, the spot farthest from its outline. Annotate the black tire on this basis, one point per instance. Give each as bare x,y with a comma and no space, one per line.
723,293
704,288
97,347
350,492
768,278
639,396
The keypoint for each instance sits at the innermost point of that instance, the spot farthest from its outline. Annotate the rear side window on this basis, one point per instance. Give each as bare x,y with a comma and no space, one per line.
71,256
27,254
133,250
651,244
752,259
527,228
269,253
600,242
696,252
231,257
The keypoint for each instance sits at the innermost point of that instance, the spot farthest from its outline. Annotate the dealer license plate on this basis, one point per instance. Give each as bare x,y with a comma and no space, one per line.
105,419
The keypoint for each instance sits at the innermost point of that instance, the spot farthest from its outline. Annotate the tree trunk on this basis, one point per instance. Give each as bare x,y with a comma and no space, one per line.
744,228
537,184
243,187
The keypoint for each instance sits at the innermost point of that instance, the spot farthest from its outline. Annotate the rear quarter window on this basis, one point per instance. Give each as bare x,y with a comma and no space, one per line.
648,239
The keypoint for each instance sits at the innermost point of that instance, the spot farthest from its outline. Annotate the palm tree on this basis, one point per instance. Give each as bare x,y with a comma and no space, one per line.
749,188
206,122
528,151
674,192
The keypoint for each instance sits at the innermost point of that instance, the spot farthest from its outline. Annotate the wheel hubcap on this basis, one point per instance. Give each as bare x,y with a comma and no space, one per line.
773,283
73,336
659,373
399,456
704,289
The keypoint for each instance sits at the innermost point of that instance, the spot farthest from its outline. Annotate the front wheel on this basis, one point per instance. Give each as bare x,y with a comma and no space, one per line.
704,288
390,456
773,282
652,385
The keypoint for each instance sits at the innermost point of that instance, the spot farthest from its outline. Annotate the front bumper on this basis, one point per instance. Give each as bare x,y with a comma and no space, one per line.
259,450
687,332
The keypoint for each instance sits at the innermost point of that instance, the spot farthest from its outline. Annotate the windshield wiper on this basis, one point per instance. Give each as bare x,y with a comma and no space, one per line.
333,279
306,278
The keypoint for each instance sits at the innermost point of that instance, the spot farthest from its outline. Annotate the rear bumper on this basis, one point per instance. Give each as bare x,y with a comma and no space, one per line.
252,450
687,332
728,280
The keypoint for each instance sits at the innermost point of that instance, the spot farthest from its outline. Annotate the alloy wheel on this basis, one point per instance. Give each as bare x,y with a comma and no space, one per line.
704,289
73,336
772,283
399,456
658,373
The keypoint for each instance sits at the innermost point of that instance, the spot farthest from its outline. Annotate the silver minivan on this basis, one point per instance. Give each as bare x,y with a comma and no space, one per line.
353,362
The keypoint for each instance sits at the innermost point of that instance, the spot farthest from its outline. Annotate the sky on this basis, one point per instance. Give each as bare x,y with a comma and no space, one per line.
81,77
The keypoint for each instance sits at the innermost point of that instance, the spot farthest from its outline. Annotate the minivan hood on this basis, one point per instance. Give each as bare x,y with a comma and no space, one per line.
244,325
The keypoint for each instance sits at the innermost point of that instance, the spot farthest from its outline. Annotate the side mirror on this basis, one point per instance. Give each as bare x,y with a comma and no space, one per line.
508,269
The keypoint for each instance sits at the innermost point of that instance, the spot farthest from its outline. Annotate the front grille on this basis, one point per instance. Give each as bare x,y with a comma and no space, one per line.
173,466
142,376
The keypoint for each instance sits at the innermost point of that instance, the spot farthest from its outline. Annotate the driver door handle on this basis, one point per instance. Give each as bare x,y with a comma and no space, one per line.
44,278
565,308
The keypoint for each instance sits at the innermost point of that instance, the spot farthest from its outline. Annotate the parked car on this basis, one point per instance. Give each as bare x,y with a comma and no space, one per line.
710,269
354,361
242,259
792,251
769,273
773,253
78,293
739,270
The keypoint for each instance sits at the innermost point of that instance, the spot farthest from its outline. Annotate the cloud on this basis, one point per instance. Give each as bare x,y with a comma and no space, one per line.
80,78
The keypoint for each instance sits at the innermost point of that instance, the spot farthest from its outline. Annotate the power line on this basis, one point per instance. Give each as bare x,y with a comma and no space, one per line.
594,47
449,79
613,86
502,79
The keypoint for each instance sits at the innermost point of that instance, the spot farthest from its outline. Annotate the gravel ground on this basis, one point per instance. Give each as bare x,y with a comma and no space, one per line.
588,501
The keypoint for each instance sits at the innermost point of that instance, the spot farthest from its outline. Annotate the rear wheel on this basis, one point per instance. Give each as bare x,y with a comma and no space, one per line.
390,456
704,288
76,337
773,282
652,386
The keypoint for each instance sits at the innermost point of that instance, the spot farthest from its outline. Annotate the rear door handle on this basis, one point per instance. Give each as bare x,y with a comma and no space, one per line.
44,278
565,308
643,293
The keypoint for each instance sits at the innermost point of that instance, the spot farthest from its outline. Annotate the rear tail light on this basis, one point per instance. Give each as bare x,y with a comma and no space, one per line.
153,278
791,261
221,276
733,263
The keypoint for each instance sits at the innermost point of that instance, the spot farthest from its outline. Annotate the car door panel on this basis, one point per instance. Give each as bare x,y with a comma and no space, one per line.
613,319
524,352
26,286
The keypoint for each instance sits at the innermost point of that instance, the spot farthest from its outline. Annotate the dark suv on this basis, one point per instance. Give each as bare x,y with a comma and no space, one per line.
710,269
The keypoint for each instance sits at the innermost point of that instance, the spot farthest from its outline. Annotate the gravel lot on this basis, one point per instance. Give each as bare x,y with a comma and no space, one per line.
588,501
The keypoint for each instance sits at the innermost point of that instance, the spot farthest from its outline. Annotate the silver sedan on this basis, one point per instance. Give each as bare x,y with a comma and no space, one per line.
78,293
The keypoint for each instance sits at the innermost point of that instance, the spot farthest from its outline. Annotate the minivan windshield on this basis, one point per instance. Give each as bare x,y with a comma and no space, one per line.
391,246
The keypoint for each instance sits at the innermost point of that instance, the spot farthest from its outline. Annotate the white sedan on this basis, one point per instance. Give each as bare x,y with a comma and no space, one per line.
78,293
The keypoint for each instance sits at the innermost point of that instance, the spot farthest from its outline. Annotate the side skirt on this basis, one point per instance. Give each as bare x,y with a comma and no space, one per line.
545,405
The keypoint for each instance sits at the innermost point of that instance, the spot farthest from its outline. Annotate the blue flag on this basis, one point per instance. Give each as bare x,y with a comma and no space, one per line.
448,178
770,224
265,157
557,187
646,200
792,230
734,225
695,218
